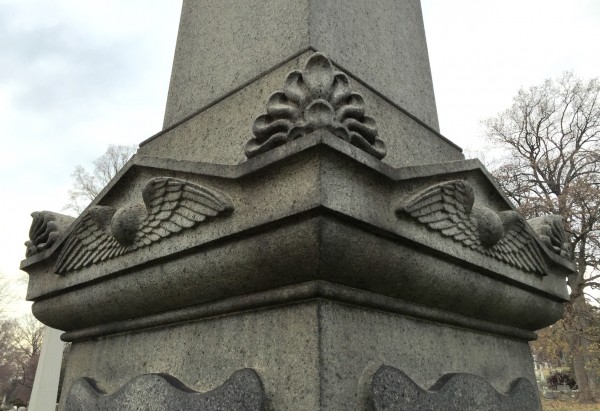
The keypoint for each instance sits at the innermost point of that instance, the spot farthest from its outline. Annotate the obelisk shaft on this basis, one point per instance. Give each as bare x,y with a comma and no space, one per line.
225,44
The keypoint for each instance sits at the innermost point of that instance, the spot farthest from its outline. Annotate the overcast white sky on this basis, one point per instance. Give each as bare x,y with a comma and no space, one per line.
77,75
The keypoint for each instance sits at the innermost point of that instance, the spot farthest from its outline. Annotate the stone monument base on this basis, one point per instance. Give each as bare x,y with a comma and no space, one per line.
309,355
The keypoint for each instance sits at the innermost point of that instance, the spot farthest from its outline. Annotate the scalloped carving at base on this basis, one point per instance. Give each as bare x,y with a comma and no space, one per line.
394,390
158,392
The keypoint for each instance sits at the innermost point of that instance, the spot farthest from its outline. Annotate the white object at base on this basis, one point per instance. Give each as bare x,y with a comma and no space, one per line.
47,375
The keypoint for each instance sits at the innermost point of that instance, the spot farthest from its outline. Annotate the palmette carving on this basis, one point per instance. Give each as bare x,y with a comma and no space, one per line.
46,228
391,389
157,392
448,208
317,98
551,231
170,206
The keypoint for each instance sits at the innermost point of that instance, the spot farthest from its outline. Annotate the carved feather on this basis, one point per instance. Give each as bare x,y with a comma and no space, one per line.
89,240
518,247
448,209
171,205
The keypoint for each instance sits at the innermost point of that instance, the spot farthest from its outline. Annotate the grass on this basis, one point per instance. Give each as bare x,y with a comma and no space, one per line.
568,405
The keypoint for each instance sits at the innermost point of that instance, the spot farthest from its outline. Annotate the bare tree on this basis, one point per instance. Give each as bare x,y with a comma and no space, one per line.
8,358
87,185
6,296
552,134
20,348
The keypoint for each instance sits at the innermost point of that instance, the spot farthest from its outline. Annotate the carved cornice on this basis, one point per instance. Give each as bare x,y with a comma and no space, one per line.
157,392
394,390
448,208
46,228
170,206
317,98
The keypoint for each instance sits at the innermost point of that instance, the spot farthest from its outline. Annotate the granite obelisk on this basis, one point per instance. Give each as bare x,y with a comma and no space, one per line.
299,236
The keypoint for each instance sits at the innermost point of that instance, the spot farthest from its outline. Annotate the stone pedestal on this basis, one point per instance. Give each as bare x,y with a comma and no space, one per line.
311,355
303,240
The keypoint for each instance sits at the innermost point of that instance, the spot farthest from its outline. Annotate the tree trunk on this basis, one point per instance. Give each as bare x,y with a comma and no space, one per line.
575,316
581,376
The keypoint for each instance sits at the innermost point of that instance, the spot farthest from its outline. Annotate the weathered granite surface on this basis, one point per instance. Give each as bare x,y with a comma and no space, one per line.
223,45
315,355
313,245
46,229
323,214
394,390
160,392
301,216
219,133
316,98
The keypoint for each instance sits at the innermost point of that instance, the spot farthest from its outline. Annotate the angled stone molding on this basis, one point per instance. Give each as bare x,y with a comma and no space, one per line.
391,389
157,392
317,98
46,228
551,231
448,208
170,206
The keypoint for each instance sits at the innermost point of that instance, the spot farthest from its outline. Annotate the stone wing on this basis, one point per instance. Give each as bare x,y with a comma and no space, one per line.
173,204
518,248
90,241
445,208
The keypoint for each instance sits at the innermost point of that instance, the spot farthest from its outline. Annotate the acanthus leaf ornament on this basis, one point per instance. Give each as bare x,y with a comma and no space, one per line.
551,231
317,98
46,229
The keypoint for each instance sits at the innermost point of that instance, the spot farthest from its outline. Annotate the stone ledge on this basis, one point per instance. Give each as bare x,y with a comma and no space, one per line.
293,294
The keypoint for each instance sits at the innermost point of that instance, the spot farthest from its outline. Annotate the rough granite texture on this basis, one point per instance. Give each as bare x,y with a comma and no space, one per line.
160,392
394,390
223,45
319,215
219,133
304,263
309,356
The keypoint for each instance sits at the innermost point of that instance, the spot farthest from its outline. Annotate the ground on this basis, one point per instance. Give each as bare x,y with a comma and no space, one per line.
568,405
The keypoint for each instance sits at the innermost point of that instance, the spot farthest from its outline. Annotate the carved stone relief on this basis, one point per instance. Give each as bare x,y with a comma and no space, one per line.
317,98
394,390
170,206
158,392
46,228
551,231
448,208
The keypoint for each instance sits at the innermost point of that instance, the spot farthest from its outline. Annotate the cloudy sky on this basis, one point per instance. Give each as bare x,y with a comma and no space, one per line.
77,75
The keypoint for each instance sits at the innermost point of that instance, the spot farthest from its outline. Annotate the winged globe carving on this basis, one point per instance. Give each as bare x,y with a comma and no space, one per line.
449,209
169,206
